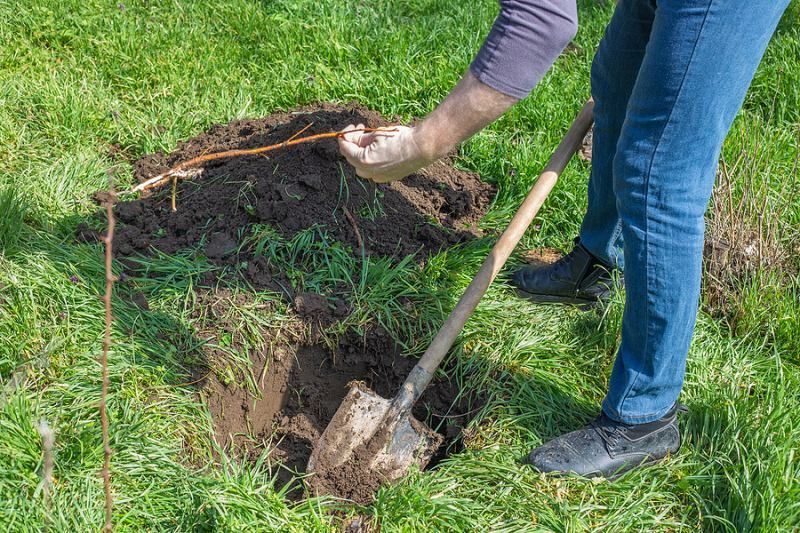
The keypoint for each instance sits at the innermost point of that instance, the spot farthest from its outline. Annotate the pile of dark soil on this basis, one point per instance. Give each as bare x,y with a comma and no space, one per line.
293,189
300,390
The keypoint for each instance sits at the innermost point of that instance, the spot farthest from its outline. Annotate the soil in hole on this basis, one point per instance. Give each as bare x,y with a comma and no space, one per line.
293,189
300,391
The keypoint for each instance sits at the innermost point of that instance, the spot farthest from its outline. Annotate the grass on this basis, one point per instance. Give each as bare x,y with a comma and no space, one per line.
78,77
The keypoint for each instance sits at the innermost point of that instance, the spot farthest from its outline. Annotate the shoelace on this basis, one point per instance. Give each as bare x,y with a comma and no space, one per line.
563,267
611,431
608,430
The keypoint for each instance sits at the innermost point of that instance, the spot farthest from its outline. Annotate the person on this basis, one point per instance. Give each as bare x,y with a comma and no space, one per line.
668,78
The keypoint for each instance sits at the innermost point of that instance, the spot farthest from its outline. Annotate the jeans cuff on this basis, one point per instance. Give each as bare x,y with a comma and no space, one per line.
602,255
616,416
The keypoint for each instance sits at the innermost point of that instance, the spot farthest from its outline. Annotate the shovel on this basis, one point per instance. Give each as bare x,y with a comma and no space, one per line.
372,437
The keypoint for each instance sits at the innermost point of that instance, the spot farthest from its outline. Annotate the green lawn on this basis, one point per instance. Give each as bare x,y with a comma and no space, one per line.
76,77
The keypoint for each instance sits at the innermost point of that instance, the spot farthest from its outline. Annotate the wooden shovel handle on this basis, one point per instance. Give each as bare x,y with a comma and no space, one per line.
422,373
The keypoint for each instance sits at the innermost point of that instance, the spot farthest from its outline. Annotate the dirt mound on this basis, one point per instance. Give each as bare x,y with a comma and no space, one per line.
300,388
292,190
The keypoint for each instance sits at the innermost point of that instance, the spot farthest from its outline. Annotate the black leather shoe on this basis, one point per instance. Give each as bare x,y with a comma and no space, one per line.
577,278
606,448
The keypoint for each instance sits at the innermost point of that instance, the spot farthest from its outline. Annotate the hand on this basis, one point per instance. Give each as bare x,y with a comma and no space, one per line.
385,155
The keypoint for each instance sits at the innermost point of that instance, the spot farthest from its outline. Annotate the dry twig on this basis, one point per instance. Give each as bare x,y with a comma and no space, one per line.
174,193
352,221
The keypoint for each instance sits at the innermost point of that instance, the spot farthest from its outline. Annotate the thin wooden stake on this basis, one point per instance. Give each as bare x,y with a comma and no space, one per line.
109,240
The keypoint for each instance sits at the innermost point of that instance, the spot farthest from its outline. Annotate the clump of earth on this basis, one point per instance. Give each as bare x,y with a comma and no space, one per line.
300,383
291,190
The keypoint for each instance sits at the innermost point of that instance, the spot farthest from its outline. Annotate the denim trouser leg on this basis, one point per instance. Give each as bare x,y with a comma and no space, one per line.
614,72
699,59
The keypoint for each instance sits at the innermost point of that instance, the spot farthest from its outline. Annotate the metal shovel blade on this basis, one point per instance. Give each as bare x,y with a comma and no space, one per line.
352,442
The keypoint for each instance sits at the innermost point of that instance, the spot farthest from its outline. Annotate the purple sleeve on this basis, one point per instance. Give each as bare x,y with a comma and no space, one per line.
526,39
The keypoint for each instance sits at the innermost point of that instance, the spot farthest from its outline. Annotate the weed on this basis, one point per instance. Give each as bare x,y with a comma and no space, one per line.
751,242
12,218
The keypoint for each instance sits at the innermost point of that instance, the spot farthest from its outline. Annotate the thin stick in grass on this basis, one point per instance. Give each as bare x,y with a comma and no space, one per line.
48,450
108,240
352,221
181,170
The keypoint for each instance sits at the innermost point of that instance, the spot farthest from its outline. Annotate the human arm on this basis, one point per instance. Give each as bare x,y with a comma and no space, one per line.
525,40
389,155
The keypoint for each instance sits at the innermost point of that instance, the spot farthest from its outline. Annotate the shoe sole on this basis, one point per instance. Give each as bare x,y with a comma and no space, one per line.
583,303
612,477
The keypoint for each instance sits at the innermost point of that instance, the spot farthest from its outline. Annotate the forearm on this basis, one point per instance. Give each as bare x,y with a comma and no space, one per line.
526,38
469,107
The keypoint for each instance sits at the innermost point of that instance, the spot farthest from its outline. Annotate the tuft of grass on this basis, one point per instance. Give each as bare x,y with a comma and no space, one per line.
751,269
12,218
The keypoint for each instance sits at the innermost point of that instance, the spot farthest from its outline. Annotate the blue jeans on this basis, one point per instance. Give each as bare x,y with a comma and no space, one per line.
668,79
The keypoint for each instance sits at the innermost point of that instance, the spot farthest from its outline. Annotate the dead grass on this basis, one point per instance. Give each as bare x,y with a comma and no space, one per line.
749,234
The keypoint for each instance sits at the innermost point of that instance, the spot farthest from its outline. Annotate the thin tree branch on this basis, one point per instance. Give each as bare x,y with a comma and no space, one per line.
179,170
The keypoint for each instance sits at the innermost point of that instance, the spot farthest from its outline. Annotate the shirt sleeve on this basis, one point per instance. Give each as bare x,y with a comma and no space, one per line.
526,39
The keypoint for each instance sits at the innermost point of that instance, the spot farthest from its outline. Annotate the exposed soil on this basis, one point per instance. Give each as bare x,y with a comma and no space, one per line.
301,389
541,256
293,189
300,385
